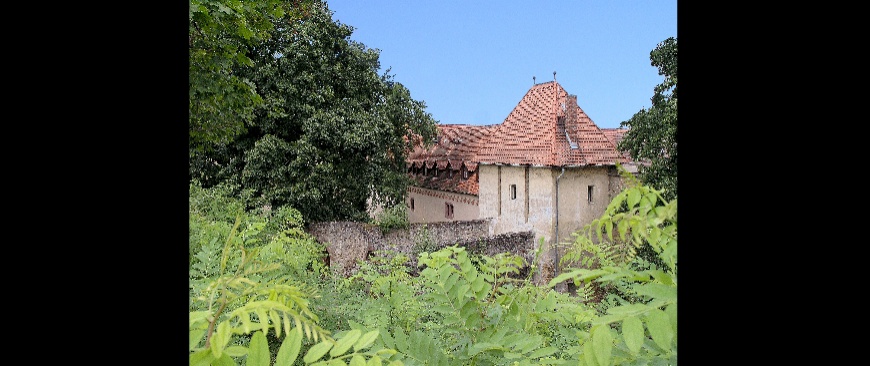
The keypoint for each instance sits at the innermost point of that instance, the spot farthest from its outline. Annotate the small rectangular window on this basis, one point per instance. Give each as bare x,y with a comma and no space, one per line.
589,193
513,191
412,204
464,173
448,210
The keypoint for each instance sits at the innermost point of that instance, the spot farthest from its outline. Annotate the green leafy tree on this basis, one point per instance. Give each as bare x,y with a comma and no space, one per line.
220,35
331,132
652,135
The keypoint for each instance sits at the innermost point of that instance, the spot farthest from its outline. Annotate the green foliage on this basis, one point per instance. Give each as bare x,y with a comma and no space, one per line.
260,294
652,134
221,33
394,217
330,133
485,318
246,288
212,214
381,294
235,298
641,328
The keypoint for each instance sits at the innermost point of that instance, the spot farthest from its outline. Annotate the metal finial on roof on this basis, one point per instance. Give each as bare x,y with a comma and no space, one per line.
554,76
533,80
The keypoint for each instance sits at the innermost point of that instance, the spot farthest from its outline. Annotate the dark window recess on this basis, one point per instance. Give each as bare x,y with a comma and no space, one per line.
412,204
589,190
448,210
513,191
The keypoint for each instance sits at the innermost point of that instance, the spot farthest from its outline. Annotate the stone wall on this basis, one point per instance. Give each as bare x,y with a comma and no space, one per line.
349,242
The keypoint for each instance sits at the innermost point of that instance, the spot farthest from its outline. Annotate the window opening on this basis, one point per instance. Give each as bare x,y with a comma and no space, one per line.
513,191
589,193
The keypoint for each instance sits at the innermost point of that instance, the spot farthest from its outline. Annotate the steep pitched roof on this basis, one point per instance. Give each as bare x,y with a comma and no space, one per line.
615,136
547,128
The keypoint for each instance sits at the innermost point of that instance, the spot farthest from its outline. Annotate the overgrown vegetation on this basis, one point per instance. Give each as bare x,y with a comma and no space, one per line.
260,294
290,121
652,135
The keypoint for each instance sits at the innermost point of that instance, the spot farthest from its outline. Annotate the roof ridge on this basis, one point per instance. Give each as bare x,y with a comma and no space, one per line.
545,128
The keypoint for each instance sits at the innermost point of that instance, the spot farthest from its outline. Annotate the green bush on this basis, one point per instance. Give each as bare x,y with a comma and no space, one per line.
262,295
395,217
250,280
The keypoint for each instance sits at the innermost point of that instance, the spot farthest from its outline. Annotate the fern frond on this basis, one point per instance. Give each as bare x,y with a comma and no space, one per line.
242,322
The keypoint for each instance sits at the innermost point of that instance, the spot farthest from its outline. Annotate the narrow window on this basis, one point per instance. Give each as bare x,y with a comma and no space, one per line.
513,191
464,173
412,204
589,193
448,210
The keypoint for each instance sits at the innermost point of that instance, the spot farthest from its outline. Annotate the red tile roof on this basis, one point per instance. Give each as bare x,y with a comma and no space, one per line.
443,182
615,136
456,149
546,128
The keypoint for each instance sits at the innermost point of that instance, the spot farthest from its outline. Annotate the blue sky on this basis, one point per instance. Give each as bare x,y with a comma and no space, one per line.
472,61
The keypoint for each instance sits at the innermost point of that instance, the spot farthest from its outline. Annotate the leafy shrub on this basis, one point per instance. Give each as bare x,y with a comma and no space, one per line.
640,326
394,217
244,282
263,272
212,213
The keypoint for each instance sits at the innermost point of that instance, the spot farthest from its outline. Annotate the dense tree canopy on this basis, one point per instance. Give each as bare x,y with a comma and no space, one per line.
220,34
330,132
652,135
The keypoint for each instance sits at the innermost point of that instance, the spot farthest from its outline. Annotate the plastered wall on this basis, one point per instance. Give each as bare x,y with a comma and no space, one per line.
429,206
524,198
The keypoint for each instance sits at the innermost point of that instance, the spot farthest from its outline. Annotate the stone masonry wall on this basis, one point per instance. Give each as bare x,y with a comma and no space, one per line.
349,242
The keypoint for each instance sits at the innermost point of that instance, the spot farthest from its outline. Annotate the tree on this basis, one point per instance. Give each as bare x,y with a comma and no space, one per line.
220,34
330,134
652,134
